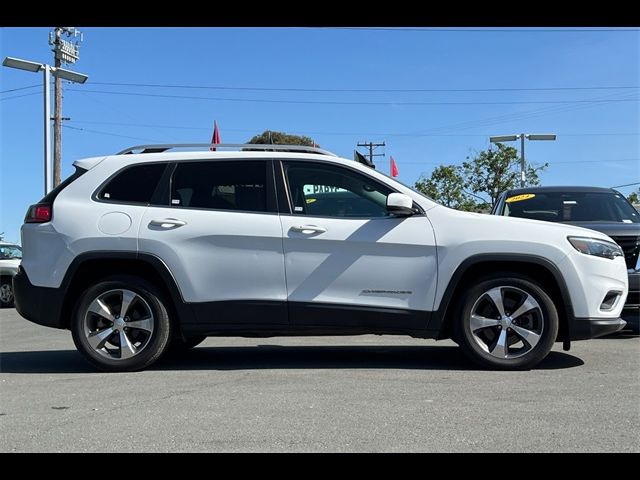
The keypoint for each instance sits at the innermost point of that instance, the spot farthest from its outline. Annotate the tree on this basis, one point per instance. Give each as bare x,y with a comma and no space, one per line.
280,138
493,171
634,197
446,185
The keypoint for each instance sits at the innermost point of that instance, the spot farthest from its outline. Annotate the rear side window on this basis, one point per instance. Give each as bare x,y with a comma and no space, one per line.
134,184
219,185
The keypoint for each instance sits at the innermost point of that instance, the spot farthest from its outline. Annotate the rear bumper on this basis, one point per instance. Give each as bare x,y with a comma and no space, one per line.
585,328
39,305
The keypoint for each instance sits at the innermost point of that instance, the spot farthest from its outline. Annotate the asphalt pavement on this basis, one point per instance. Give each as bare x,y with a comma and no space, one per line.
367,393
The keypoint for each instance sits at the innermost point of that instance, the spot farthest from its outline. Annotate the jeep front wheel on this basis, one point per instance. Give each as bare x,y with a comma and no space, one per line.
506,323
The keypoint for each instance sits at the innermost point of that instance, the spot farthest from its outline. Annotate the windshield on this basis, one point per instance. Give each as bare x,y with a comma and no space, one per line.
8,252
572,207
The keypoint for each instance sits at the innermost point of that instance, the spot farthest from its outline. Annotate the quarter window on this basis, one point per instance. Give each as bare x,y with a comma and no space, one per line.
134,184
219,185
330,191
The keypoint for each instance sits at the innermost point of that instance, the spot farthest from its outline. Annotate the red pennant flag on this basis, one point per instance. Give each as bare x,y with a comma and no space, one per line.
216,136
394,168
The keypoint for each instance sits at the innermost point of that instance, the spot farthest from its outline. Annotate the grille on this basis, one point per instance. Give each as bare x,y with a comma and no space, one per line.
631,247
633,300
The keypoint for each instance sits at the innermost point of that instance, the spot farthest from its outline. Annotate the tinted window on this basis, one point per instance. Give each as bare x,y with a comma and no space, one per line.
329,191
134,184
572,207
236,185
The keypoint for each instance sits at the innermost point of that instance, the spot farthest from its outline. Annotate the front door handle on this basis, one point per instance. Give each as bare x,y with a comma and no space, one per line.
308,229
167,223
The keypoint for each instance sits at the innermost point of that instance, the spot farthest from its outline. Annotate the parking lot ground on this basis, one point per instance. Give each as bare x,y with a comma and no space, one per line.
366,393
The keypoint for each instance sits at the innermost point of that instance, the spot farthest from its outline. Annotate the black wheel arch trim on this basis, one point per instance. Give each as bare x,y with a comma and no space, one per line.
183,309
438,317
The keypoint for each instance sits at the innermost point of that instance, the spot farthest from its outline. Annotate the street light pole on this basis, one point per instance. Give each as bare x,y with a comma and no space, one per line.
522,165
48,184
57,72
522,136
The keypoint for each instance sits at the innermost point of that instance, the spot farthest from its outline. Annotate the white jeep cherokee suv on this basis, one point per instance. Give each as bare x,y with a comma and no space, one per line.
153,249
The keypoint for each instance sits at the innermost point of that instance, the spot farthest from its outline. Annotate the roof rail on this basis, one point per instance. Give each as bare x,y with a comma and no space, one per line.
241,146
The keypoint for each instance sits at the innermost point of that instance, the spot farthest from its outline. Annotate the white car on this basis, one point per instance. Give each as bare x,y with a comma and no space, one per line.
156,247
10,256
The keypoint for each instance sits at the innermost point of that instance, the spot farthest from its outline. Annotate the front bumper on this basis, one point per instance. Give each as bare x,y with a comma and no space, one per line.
585,328
39,305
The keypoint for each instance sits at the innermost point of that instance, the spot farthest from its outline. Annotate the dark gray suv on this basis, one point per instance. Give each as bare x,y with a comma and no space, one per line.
602,209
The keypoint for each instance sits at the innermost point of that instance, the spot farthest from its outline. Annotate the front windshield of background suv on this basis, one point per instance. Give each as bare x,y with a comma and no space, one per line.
10,252
572,207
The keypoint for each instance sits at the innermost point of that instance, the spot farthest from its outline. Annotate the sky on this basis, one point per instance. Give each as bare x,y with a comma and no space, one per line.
434,96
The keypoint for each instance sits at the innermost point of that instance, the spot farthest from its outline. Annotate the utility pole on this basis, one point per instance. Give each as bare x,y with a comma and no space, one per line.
371,146
57,112
67,52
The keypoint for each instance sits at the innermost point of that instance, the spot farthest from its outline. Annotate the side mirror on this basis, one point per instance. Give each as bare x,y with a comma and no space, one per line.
400,204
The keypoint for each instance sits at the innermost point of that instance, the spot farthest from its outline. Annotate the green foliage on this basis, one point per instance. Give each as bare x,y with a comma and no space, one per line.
495,170
446,185
486,176
634,197
279,138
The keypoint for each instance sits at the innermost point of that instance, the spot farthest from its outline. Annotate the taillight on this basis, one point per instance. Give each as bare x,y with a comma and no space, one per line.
39,213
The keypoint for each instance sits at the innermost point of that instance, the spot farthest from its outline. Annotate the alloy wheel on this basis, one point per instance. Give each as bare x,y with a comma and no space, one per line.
118,324
506,322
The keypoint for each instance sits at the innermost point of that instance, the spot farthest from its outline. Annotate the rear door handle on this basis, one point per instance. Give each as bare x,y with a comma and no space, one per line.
167,223
308,229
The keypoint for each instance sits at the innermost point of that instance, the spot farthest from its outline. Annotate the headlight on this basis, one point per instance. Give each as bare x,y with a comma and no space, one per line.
598,248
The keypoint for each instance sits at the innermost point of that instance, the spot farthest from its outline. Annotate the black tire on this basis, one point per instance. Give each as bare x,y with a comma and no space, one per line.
180,345
6,292
155,343
482,347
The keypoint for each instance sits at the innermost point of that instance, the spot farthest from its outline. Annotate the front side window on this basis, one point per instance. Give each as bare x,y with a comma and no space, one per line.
220,185
135,184
332,191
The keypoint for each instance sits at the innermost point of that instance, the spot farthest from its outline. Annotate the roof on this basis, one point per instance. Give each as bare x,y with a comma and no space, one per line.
560,189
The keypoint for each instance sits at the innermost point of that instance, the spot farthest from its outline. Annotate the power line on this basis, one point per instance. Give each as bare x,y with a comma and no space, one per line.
330,102
362,90
111,134
627,185
20,96
21,88
611,160
361,134
463,29
511,117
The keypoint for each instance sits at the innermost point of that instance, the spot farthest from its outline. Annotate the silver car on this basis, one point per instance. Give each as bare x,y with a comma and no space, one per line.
10,256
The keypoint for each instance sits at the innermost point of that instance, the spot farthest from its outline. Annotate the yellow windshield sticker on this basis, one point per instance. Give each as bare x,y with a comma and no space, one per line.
519,198
311,200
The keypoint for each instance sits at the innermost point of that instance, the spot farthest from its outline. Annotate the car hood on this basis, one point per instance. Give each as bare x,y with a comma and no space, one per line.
10,264
616,229
500,226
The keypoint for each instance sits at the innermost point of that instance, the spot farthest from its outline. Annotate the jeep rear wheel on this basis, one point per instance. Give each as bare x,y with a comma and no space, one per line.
507,323
121,324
